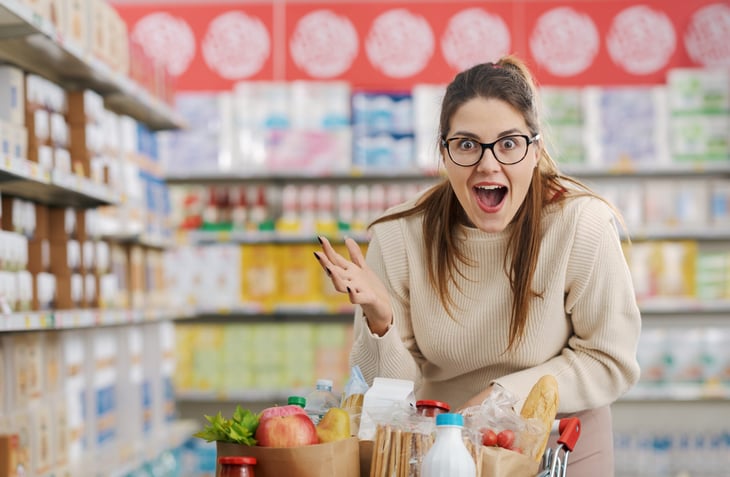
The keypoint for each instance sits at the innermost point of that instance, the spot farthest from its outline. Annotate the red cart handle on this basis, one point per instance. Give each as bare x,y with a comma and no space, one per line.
569,429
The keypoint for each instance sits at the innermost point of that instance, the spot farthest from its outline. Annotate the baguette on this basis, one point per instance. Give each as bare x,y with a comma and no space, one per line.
542,404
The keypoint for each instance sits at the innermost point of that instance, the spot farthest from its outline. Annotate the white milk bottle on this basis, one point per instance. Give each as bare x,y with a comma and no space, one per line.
448,457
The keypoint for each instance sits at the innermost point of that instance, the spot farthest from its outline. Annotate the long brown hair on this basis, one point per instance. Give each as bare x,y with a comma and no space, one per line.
508,80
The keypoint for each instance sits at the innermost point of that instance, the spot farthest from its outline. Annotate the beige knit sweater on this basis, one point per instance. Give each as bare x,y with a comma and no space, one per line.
584,330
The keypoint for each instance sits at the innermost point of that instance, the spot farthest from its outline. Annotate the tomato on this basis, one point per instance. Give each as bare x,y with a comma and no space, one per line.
489,438
506,439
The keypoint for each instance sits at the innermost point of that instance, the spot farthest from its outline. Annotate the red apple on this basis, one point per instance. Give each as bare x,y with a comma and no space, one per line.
285,426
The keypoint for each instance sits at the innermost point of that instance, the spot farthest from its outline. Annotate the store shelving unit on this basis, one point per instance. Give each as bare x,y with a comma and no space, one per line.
83,318
33,44
29,180
655,312
276,178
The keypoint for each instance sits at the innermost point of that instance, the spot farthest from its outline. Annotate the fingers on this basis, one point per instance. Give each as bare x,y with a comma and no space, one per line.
332,256
355,252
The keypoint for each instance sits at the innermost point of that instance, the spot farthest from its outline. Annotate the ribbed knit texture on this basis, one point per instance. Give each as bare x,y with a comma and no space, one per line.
584,330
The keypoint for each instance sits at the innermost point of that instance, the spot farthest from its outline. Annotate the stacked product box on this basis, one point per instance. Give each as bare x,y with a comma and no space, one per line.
49,135
86,118
292,126
236,359
626,127
89,398
31,404
699,104
565,123
13,132
684,362
383,131
199,149
270,277
426,106
679,270
663,269
91,27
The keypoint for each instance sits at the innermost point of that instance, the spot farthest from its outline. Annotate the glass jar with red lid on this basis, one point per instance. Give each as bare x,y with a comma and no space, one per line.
429,408
236,466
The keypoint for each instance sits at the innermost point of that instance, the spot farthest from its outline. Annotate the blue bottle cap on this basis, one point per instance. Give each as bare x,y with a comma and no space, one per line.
450,419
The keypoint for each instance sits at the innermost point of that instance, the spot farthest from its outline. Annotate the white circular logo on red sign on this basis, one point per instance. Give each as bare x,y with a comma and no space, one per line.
167,39
708,36
564,41
641,40
400,43
236,45
474,36
324,44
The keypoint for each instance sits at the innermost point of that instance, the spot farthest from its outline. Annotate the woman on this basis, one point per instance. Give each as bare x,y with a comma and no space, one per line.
504,272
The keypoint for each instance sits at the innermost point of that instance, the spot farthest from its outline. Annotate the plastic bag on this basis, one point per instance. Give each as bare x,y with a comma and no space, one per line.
495,423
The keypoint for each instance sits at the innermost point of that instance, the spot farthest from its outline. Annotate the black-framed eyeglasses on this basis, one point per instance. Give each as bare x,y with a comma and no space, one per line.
507,150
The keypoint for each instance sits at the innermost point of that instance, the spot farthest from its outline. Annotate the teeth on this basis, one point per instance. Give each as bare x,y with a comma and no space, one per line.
489,187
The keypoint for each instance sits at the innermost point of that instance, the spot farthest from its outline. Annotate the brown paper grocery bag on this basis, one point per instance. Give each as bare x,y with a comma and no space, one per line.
498,462
366,457
334,459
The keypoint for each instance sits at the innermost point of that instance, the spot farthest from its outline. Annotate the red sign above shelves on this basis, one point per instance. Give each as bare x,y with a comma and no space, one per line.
393,45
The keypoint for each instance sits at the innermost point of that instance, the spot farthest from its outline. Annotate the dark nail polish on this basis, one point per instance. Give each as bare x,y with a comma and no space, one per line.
315,255
329,273
320,240
348,290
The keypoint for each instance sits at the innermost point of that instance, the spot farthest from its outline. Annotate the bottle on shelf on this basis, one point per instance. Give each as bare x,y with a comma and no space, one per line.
320,400
448,456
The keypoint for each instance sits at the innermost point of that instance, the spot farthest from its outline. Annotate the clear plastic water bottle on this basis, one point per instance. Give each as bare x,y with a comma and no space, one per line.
448,457
320,400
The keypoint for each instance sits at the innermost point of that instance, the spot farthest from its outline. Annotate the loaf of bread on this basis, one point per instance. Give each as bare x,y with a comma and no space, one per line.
542,404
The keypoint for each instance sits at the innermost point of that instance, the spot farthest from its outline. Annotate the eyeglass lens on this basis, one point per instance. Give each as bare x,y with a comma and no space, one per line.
507,150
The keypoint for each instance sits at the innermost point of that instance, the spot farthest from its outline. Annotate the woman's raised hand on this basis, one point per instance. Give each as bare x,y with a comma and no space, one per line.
361,284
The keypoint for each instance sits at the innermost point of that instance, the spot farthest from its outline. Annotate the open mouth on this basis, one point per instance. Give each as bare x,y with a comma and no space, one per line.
490,196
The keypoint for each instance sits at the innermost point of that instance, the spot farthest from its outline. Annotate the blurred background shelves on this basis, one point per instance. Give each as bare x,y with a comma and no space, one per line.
34,44
29,180
353,176
82,318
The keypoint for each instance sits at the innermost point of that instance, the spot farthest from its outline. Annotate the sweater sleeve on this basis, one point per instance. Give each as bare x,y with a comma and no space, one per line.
598,363
395,354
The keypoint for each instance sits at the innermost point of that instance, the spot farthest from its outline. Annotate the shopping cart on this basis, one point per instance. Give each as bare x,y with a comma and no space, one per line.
555,461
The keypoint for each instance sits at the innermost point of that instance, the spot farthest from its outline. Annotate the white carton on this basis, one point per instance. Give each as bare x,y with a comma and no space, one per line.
12,95
75,359
385,395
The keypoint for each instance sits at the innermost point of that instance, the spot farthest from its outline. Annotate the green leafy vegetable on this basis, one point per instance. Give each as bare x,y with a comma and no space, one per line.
240,429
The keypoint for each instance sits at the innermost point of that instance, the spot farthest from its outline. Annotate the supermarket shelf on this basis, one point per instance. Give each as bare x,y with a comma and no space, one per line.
81,318
33,44
275,177
252,395
704,234
322,313
669,395
252,237
678,306
28,180
707,169
282,314
146,240
200,237
174,436
698,169
677,393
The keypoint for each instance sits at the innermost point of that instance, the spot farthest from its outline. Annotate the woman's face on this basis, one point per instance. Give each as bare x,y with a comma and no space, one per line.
490,192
